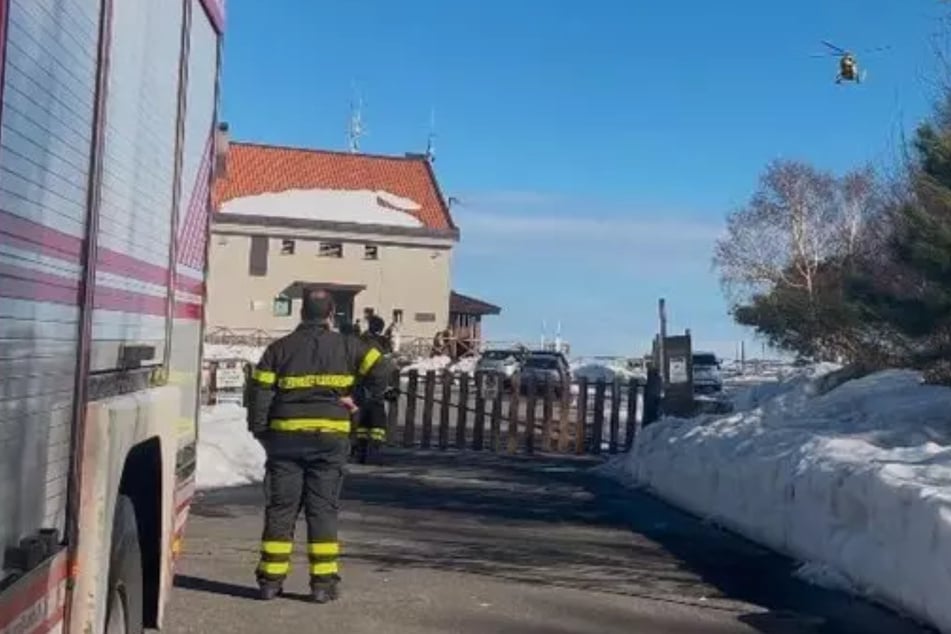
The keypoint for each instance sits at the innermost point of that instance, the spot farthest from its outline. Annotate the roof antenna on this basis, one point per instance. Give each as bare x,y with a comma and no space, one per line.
431,140
355,129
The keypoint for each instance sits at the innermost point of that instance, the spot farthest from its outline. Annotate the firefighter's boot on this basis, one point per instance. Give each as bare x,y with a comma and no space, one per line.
324,589
269,590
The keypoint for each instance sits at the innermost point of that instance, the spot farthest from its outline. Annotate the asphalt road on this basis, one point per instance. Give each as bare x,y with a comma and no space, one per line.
476,543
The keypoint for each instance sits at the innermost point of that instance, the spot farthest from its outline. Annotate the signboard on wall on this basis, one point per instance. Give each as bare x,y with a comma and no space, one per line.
678,370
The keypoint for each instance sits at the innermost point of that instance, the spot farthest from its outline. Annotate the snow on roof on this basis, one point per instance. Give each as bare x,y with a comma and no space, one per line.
361,206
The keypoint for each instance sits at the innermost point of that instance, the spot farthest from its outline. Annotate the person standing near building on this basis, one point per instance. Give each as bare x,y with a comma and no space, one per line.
371,412
299,406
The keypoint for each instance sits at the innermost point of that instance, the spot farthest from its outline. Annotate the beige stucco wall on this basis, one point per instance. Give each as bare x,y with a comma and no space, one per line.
412,274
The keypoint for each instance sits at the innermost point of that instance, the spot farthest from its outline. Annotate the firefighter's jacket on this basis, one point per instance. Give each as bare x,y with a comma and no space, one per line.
297,386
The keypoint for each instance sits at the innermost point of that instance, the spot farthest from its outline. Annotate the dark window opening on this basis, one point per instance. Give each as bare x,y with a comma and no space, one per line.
257,260
331,250
425,317
397,315
371,252
287,247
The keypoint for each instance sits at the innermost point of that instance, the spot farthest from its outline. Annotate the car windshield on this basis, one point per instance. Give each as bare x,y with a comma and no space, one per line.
544,363
497,355
704,359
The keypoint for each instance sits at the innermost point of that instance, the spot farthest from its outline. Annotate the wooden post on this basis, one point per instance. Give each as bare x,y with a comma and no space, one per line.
564,413
581,417
531,403
514,415
409,425
429,396
547,413
630,429
598,431
462,413
392,419
495,429
478,429
652,396
615,429
447,380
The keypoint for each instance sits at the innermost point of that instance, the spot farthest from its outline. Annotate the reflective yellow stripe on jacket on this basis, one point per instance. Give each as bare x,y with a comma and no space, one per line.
305,381
311,425
264,377
369,359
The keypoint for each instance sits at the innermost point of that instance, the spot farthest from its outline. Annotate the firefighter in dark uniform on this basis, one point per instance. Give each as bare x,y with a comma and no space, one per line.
299,407
371,413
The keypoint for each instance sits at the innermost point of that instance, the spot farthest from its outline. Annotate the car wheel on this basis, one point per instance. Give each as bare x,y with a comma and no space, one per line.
124,598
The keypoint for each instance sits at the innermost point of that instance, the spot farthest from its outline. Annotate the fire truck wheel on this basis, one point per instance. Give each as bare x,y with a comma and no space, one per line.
124,607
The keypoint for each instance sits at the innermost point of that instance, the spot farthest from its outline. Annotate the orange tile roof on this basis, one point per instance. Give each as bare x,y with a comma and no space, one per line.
257,169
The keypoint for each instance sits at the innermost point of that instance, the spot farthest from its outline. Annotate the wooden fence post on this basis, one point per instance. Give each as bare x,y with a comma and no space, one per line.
547,413
495,429
581,417
652,396
429,396
564,413
597,434
630,429
531,404
514,414
462,412
409,425
615,429
447,380
478,426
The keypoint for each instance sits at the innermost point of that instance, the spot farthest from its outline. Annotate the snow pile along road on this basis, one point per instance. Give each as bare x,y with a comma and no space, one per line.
856,480
228,455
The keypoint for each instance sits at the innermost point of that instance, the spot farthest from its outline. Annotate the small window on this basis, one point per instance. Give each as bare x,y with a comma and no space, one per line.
287,247
282,306
371,252
425,317
257,259
397,315
331,250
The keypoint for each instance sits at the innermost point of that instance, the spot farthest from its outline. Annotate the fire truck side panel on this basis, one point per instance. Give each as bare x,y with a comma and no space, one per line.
49,78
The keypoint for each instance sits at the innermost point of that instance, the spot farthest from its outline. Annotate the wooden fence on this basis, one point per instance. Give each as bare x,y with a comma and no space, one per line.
447,411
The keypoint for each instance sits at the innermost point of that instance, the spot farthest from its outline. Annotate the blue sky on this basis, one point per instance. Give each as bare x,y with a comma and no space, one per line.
596,146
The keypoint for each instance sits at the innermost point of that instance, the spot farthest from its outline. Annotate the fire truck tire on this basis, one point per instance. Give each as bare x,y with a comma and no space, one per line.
124,614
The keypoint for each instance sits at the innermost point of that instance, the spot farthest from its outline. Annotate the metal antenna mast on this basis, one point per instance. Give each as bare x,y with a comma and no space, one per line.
355,130
431,140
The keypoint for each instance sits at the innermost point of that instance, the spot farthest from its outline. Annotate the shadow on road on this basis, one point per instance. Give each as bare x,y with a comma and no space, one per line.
550,522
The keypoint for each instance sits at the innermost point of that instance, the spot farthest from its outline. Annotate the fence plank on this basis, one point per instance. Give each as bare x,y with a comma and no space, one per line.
495,429
447,380
581,418
392,419
514,415
531,403
462,413
615,429
564,414
652,394
429,396
409,424
630,429
478,429
547,413
597,434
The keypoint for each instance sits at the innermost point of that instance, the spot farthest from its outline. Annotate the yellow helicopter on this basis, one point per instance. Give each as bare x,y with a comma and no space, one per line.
848,64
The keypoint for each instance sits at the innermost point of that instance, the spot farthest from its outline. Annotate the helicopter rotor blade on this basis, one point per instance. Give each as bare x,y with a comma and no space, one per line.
834,47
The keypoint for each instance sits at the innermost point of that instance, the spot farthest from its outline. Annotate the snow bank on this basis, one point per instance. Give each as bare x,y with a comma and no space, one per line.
227,454
856,480
333,205
603,371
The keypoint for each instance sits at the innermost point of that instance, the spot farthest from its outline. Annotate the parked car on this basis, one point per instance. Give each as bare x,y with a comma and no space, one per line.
550,366
505,363
706,373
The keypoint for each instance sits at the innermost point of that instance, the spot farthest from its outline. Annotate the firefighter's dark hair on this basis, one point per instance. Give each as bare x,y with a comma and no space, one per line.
376,324
317,305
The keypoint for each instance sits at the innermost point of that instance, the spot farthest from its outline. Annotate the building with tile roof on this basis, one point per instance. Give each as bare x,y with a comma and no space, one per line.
374,230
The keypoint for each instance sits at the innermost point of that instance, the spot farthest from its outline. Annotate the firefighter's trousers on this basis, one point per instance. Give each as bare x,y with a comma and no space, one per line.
303,471
370,430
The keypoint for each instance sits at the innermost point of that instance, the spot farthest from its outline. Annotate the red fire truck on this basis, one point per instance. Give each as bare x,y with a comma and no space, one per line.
108,148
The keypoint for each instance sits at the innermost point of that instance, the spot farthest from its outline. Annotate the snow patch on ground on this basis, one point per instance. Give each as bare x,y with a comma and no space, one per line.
856,479
333,205
228,455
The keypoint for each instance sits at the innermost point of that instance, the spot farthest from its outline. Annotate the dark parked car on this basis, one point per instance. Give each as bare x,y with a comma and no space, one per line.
542,366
